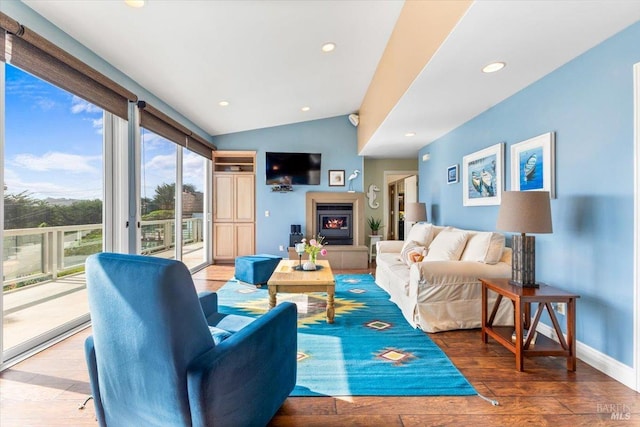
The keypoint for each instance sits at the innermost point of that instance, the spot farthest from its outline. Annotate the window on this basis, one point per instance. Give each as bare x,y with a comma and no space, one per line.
53,195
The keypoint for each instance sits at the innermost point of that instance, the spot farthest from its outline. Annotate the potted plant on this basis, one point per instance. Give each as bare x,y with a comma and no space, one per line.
375,224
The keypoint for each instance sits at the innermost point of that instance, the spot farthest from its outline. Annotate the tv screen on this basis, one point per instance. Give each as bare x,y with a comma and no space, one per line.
293,168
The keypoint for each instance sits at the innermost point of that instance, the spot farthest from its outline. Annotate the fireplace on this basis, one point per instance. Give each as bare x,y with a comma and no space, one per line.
355,219
342,214
335,222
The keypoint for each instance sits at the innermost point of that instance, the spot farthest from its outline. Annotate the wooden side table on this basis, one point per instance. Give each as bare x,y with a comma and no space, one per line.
522,299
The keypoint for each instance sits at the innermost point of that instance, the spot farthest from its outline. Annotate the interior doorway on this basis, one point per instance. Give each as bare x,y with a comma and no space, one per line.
400,188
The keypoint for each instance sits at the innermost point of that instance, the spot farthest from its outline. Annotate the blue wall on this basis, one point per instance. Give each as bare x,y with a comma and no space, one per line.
589,104
335,138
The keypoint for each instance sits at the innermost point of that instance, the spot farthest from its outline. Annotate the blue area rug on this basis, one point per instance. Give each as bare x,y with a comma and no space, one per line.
370,350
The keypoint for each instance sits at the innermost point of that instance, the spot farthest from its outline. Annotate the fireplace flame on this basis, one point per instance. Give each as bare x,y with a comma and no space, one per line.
334,223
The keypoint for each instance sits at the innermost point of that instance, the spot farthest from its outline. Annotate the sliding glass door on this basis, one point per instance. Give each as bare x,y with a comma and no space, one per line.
173,201
53,196
194,185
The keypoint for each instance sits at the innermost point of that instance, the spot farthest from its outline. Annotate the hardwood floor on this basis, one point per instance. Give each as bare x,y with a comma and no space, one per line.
46,389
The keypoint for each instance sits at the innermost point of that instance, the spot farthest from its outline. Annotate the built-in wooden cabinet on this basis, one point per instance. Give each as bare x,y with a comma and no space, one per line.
234,183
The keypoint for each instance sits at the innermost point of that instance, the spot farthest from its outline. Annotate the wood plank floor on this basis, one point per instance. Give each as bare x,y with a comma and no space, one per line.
46,389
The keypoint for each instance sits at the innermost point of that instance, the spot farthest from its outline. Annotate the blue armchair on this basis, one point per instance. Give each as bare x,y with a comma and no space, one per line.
153,358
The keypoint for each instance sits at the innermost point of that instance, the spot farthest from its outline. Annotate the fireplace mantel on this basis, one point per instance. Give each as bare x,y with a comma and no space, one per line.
315,197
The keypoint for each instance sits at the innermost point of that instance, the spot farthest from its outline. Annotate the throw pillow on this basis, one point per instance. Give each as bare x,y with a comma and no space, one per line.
409,251
484,247
421,232
416,256
218,334
447,246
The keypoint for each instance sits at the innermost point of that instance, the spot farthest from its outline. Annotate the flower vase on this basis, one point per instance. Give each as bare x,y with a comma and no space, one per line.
311,264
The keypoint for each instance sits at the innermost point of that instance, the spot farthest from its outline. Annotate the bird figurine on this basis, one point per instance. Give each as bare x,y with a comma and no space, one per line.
351,178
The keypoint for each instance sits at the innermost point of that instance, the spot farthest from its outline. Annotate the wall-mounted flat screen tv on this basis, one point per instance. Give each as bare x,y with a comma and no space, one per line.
293,168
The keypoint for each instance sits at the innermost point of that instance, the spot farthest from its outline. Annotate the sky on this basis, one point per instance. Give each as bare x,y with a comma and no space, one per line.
53,145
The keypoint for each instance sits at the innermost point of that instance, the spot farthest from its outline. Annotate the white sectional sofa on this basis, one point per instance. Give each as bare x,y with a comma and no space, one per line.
433,275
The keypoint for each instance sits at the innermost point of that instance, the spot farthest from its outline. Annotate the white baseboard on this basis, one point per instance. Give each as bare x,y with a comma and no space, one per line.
605,364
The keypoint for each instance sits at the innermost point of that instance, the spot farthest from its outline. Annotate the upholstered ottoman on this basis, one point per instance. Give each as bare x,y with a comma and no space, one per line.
256,269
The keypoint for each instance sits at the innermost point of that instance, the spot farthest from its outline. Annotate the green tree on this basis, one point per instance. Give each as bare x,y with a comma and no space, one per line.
165,196
23,211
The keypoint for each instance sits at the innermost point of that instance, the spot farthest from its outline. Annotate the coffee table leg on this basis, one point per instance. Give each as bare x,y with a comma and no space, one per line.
330,305
272,296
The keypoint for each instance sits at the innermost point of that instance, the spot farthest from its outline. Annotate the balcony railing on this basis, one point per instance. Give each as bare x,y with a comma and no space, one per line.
33,255
44,284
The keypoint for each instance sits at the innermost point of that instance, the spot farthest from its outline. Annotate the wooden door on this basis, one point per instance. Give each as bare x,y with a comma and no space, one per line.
244,238
223,207
244,198
223,241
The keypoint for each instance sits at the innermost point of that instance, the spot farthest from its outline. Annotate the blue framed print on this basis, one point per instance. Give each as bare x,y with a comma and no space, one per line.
533,164
483,176
452,174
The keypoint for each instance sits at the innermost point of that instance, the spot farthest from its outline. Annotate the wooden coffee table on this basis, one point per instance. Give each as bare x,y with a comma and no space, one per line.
286,279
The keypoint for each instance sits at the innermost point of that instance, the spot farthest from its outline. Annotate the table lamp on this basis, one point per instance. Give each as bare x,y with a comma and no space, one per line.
415,212
524,212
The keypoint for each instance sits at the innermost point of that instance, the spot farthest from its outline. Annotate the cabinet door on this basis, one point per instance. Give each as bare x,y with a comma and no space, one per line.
245,239
224,241
223,187
244,197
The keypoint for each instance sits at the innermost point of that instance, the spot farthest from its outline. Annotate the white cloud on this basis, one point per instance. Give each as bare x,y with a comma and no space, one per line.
98,125
55,161
45,104
79,105
193,169
152,141
166,162
73,189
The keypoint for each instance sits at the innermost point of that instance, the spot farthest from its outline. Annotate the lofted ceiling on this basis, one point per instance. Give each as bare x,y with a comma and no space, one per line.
265,58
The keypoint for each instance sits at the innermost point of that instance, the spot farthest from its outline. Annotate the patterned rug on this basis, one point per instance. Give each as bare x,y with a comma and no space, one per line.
370,350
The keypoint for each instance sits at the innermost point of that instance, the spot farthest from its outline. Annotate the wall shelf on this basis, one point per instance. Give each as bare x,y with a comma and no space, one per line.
234,161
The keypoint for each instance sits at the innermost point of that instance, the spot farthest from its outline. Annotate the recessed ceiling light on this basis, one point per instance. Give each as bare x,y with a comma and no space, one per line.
306,108
223,103
493,67
410,134
135,3
328,47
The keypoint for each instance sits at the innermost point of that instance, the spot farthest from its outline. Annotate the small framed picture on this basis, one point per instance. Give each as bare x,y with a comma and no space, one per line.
452,174
336,178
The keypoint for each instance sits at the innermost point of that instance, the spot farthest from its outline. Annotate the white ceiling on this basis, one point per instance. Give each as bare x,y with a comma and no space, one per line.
264,57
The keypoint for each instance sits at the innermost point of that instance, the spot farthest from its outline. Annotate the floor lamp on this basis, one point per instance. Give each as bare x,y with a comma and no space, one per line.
524,212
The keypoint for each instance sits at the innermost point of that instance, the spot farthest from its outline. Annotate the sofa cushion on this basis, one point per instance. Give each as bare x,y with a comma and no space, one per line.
412,252
447,246
422,233
484,247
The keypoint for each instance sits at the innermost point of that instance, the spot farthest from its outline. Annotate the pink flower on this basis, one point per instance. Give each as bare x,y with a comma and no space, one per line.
303,240
313,242
323,252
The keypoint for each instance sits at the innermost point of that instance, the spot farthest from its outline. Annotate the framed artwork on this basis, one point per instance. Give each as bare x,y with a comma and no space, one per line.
483,176
336,178
533,164
452,174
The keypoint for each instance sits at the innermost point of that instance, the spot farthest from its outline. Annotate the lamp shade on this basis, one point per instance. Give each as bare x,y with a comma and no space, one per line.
415,212
525,212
